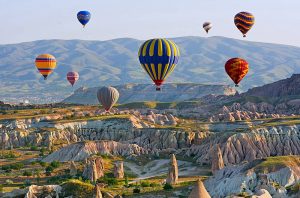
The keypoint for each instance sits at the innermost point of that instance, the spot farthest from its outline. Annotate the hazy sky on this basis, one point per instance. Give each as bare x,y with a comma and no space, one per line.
277,21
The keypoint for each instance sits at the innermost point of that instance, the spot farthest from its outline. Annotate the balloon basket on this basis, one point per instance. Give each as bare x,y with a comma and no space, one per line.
236,85
158,89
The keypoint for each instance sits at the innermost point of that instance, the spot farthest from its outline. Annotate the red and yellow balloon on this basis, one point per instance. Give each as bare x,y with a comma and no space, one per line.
236,69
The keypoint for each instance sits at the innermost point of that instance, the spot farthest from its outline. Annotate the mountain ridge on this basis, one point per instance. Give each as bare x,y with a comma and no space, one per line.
115,62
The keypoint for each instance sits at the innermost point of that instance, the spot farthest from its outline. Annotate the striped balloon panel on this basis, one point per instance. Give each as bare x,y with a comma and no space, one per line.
108,96
45,63
72,77
244,21
159,57
237,69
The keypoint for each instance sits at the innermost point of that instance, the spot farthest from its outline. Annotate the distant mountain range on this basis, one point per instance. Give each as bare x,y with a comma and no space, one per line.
115,62
142,92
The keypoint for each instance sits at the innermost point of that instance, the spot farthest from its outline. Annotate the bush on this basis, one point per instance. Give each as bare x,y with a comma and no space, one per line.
43,164
49,170
108,180
145,184
154,185
55,164
27,182
27,173
34,148
168,186
16,166
9,181
136,190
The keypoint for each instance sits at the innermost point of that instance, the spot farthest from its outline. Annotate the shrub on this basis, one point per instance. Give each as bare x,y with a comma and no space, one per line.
43,164
27,173
9,181
34,148
78,189
136,190
168,186
55,164
155,185
27,182
145,184
49,170
1,188
108,180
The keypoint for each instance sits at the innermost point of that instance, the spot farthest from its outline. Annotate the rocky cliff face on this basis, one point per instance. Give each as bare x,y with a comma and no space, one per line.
82,150
246,179
250,145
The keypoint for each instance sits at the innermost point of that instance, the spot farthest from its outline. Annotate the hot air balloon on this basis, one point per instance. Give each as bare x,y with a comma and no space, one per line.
159,58
237,69
207,26
244,22
84,17
45,63
72,77
108,96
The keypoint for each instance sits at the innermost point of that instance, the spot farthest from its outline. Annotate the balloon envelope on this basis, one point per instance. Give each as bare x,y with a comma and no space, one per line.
72,77
108,96
159,58
84,17
207,26
45,63
244,22
237,69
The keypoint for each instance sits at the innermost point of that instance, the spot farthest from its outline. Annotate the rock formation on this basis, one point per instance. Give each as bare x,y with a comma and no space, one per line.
244,178
262,193
82,150
73,168
172,177
199,191
119,170
94,168
216,159
48,191
98,193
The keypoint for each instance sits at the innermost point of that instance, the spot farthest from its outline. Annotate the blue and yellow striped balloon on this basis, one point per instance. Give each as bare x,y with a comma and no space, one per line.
159,58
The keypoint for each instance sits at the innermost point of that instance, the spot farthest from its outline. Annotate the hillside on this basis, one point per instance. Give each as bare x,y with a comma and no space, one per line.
142,92
115,62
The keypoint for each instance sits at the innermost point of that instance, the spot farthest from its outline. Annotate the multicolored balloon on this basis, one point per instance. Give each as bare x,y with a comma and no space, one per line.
237,69
108,96
84,17
207,26
244,22
72,77
45,63
159,58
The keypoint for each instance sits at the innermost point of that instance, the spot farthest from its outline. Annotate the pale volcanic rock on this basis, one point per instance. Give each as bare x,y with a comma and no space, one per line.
262,193
82,150
94,168
119,170
199,191
217,162
172,177
98,193
43,191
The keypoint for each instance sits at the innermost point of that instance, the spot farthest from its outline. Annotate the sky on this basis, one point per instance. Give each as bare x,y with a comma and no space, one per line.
28,20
